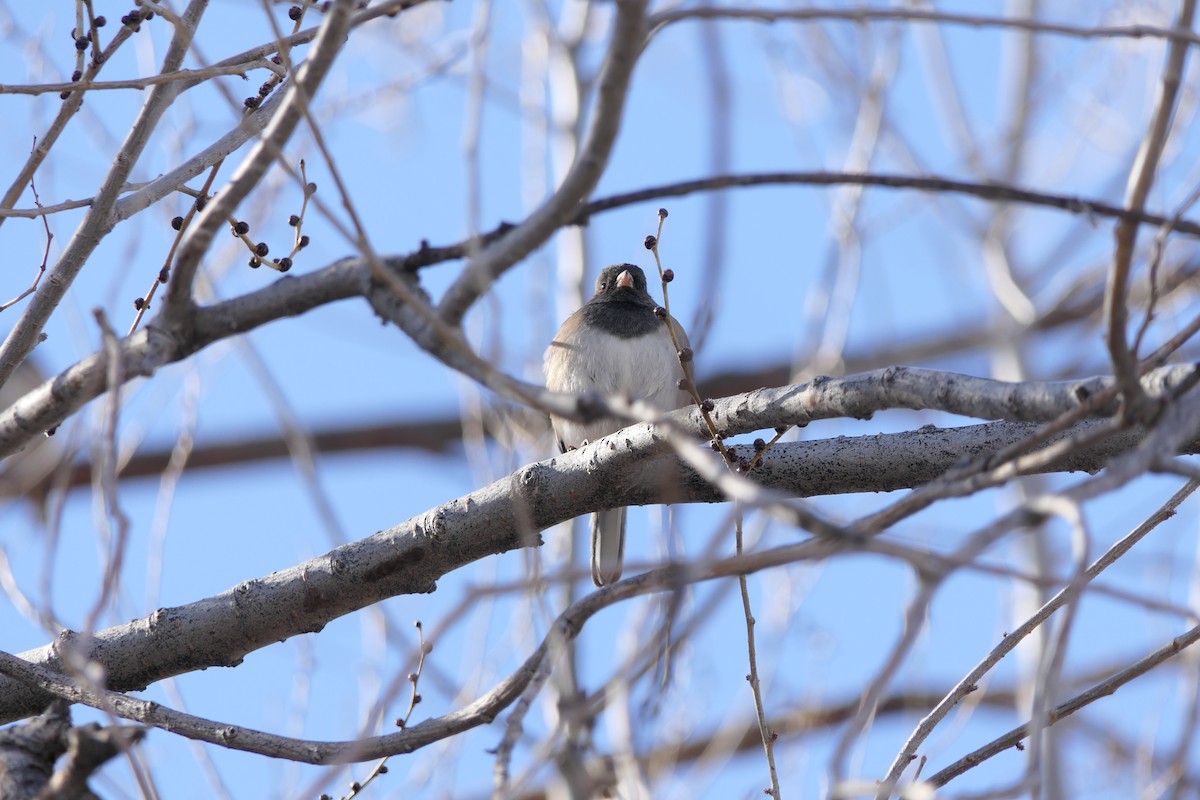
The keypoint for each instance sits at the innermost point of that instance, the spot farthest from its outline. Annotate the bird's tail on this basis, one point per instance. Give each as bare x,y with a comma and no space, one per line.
608,545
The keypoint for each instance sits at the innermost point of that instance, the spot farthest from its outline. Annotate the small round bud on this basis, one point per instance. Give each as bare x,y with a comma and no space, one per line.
293,220
261,249
399,723
81,43
177,223
668,275
310,188
412,677
252,102
201,202
686,355
723,434
416,699
265,89
781,429
715,446
284,263
295,13
382,768
63,95
355,786
303,241
759,445
139,303
241,228
254,263
101,22
650,242
164,275
660,312
76,75
707,405
148,15
276,60
662,213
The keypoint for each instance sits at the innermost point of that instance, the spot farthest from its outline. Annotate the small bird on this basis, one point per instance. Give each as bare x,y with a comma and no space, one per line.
615,345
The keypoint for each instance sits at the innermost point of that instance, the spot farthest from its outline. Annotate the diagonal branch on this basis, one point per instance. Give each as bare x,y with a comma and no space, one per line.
329,42
1141,178
99,219
628,38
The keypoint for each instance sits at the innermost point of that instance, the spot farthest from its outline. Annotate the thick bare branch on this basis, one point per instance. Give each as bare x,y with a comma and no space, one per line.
625,468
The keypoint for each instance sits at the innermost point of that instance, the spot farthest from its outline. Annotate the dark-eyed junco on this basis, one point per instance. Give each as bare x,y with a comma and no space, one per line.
617,346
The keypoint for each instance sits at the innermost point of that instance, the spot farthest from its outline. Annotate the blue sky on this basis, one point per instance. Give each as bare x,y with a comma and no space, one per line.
825,628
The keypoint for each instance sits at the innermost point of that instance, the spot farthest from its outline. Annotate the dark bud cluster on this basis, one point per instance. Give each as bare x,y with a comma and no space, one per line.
759,445
177,223
303,241
686,355
241,228
82,43
284,263
254,263
295,13
668,275
650,242
101,22
76,75
261,249
201,202
662,213
164,275
252,102
660,312
707,405
293,220
139,303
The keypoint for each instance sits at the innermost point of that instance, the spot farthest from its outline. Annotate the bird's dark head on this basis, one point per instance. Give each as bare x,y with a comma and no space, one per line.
621,280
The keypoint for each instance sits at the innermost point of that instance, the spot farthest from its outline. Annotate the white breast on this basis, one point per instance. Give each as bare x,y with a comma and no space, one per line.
644,368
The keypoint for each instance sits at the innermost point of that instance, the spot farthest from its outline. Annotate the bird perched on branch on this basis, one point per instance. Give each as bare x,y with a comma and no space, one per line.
615,344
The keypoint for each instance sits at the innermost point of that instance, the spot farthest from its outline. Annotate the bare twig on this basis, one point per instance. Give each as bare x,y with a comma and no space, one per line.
1105,688
1141,178
98,221
971,680
866,14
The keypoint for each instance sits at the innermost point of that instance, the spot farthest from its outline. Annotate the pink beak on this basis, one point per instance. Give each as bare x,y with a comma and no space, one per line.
625,280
